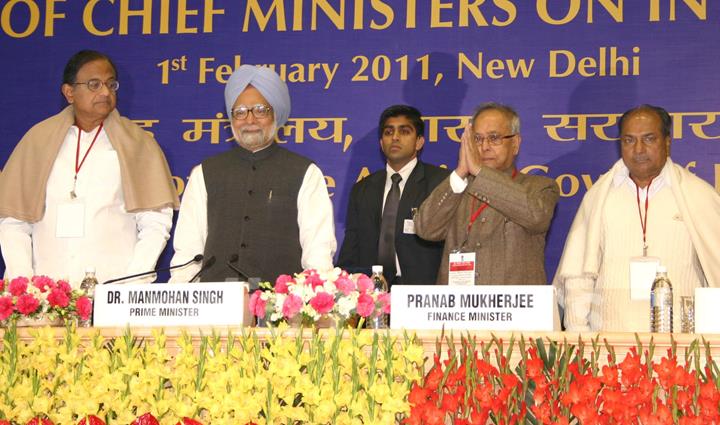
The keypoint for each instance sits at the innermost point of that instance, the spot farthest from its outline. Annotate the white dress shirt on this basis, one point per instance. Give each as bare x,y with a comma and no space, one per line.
114,242
405,174
315,222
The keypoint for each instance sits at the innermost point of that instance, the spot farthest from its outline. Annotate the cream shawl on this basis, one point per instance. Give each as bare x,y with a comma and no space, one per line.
146,179
697,201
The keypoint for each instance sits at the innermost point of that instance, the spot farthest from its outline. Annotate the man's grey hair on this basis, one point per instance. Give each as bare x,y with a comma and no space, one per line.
506,110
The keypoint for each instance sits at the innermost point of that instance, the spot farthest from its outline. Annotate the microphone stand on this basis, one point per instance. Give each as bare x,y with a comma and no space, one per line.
195,259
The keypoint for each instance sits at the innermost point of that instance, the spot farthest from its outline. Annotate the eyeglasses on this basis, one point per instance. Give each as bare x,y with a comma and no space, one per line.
258,111
493,139
95,84
647,140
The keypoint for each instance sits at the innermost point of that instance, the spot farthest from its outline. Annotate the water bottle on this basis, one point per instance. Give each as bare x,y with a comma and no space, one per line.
88,287
381,285
661,303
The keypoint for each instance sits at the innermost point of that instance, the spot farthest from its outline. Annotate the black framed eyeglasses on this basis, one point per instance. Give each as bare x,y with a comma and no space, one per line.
95,84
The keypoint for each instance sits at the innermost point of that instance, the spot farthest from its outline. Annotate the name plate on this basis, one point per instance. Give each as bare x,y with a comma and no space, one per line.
707,301
188,304
497,307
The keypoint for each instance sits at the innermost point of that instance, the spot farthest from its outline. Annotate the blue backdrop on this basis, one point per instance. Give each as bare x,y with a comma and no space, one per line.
569,67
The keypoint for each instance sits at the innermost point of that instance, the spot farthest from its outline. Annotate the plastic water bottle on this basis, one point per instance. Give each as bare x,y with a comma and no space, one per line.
661,303
88,287
381,285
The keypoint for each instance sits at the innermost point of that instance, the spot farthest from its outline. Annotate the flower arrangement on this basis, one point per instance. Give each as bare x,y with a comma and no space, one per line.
271,377
40,297
311,295
477,383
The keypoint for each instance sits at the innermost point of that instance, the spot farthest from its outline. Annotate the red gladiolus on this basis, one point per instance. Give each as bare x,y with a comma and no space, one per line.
2,289
27,304
188,421
146,419
91,420
40,421
83,306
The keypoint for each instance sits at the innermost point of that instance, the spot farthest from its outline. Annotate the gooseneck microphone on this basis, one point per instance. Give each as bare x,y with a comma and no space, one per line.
253,282
231,263
195,259
209,263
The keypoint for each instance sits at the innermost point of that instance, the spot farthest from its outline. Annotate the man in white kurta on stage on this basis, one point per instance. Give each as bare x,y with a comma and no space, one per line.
257,210
645,210
86,188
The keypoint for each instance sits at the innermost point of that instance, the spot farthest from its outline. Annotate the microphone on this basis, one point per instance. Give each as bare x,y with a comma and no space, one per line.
253,282
195,259
230,263
209,263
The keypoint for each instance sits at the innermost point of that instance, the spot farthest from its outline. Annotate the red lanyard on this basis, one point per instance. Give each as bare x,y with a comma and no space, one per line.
643,221
79,163
482,207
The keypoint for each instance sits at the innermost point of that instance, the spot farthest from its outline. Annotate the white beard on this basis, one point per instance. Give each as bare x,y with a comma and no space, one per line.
254,141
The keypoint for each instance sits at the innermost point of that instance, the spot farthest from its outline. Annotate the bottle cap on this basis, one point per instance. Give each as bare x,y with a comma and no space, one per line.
661,269
89,270
377,269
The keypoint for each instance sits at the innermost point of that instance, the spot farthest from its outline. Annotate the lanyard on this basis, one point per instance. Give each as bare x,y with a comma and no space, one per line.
79,163
643,221
482,207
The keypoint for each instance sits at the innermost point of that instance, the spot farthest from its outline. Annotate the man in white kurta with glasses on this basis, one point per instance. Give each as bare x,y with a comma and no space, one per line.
86,188
645,210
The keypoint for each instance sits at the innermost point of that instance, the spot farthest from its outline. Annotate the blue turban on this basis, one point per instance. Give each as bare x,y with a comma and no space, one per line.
267,82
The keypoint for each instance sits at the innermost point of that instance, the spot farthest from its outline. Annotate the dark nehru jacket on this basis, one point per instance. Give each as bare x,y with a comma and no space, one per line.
252,212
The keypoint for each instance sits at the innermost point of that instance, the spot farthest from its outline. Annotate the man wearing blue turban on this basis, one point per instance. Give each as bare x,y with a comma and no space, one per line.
258,208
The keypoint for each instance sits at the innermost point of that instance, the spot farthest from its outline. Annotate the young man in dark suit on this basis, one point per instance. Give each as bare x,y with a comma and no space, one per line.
379,225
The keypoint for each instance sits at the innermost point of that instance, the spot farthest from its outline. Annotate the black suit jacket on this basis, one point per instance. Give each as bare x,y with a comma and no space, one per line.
419,259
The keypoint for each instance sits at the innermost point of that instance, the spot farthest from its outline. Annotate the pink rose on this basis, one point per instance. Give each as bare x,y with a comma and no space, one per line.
43,283
257,304
365,284
58,298
83,306
281,283
322,302
6,307
365,305
64,286
384,300
345,285
27,304
314,281
291,306
18,286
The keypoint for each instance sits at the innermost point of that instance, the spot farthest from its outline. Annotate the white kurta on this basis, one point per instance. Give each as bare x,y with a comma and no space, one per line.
116,243
315,221
604,303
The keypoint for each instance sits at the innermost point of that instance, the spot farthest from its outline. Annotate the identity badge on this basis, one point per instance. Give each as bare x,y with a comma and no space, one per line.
642,274
461,268
70,219
408,227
